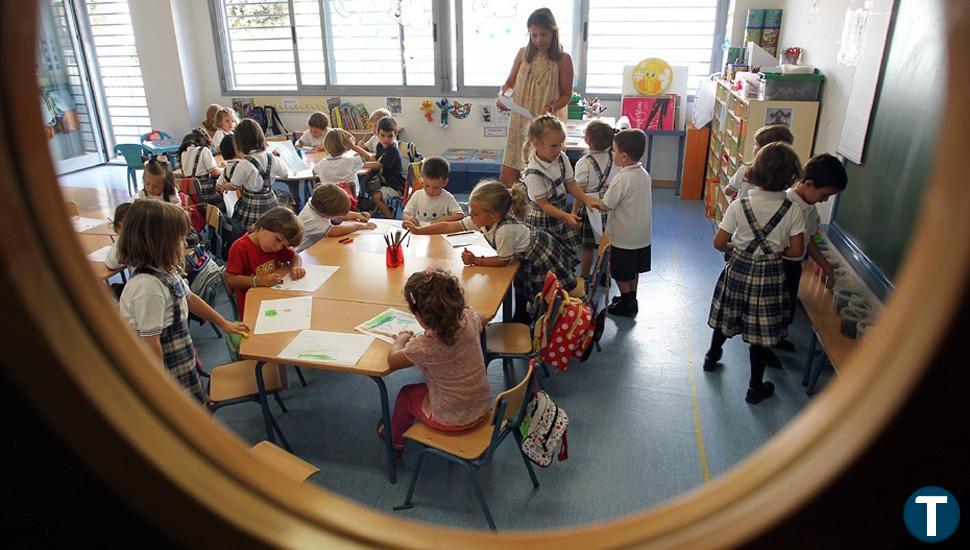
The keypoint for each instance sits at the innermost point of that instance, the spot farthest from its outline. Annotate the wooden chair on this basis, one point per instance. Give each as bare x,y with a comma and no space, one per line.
474,448
509,341
235,383
285,464
582,285
600,269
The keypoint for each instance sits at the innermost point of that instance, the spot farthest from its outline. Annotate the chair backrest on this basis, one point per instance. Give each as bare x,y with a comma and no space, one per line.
598,269
230,294
72,211
132,153
514,399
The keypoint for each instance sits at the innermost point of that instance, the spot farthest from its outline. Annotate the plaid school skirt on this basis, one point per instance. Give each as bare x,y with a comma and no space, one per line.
542,256
570,239
750,299
254,204
208,193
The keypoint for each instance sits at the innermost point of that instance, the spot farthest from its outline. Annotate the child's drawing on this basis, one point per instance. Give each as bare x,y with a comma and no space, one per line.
335,348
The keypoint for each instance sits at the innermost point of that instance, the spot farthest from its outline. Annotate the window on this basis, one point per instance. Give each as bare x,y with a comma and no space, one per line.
260,44
680,32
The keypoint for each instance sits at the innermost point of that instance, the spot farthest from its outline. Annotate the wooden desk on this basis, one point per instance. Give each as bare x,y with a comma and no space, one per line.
826,322
90,243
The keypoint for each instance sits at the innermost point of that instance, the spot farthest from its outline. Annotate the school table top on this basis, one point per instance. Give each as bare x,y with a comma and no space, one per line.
161,146
819,305
575,129
92,242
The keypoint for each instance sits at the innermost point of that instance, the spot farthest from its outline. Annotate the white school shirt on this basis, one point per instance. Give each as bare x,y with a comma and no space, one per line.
739,182
148,306
586,177
111,260
512,239
245,176
217,138
339,169
430,209
538,186
315,227
809,216
764,204
143,195
307,139
206,163
630,203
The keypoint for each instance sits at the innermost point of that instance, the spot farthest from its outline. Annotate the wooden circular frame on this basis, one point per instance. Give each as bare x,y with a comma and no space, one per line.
195,480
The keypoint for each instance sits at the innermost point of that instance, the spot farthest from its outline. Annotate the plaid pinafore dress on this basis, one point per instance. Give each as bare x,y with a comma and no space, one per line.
589,240
538,260
570,238
177,350
254,204
207,185
750,297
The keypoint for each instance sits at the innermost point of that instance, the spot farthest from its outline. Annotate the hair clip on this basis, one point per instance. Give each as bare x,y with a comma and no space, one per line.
411,297
430,270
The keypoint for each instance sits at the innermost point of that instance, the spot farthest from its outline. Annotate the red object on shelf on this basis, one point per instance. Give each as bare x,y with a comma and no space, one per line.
650,113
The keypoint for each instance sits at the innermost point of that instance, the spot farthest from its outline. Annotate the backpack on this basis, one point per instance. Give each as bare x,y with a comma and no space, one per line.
273,122
543,428
259,115
573,331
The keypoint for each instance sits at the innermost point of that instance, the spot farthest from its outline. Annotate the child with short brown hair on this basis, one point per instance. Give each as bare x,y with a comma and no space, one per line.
319,127
328,214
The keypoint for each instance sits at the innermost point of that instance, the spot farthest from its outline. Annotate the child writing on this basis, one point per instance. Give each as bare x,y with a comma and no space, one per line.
156,301
494,211
431,203
548,177
254,174
372,122
824,176
388,182
630,223
197,162
340,167
739,186
750,297
225,124
327,214
455,395
313,137
159,182
255,257
593,173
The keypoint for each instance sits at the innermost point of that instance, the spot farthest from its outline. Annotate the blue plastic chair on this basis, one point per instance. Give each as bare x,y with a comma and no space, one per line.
133,153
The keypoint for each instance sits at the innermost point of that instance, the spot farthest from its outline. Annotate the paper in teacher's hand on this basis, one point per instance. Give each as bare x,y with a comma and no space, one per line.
507,102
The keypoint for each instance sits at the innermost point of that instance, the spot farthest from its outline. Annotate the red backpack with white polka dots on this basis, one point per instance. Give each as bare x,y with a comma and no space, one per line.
565,328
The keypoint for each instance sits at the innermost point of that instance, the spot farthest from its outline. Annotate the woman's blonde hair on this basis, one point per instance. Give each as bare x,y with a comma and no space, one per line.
330,200
337,142
436,297
210,117
538,128
377,115
283,221
543,17
154,236
495,197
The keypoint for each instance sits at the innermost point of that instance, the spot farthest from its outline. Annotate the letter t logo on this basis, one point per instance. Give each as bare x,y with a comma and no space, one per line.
931,502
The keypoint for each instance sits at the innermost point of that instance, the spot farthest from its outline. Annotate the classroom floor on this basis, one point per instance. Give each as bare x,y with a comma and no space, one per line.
646,422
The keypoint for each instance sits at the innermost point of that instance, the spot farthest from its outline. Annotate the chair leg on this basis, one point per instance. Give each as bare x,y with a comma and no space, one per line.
470,470
279,401
545,370
528,463
300,374
414,482
507,370
279,432
216,329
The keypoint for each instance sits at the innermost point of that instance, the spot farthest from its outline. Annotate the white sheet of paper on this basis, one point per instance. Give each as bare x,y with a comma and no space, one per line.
231,199
288,155
511,105
332,348
100,254
595,218
315,276
83,224
386,326
284,315
465,239
383,226
478,250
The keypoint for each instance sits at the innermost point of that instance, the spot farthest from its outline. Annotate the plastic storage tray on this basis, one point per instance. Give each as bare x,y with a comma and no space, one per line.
790,87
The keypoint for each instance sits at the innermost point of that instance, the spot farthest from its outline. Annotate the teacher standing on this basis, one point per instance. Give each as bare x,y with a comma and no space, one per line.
542,79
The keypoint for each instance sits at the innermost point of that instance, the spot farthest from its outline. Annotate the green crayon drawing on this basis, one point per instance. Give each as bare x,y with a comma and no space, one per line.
271,313
314,354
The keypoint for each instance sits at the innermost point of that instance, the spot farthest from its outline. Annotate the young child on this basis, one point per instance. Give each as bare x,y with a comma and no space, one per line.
319,124
548,177
372,122
209,124
159,182
388,182
630,203
197,162
225,125
456,395
255,257
340,167
431,203
156,301
593,173
824,176
750,297
111,260
254,174
327,214
739,186
495,211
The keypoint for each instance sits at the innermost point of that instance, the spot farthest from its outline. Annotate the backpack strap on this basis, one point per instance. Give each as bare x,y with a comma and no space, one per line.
195,164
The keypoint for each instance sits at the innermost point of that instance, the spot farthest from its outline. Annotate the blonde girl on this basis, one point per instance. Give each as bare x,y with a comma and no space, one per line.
225,123
157,300
372,120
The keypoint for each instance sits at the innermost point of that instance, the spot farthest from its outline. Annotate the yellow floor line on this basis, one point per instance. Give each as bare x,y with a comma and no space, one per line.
698,429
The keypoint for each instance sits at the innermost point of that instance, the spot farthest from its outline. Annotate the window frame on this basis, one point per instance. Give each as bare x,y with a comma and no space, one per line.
444,56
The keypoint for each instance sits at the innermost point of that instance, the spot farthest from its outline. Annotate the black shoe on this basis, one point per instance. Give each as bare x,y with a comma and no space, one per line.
757,395
624,308
711,361
785,345
615,300
772,361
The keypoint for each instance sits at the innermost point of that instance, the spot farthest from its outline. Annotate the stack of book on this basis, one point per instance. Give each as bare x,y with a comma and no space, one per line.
349,116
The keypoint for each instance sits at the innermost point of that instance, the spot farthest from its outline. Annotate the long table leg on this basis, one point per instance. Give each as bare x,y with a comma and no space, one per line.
263,403
507,310
388,436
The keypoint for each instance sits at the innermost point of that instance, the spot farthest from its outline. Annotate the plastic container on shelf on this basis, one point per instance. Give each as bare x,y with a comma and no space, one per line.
790,87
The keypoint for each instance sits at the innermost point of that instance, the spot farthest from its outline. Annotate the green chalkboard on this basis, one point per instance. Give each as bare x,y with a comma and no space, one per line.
878,210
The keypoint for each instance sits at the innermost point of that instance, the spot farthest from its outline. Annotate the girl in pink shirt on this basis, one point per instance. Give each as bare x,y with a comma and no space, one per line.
456,396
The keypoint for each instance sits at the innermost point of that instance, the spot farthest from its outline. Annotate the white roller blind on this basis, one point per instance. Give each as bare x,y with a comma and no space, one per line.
260,44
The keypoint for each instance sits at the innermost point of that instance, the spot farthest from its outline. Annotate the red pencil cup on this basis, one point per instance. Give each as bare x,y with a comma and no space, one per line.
394,255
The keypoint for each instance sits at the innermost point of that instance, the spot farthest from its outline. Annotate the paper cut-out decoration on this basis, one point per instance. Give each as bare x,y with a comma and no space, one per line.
461,110
443,107
652,76
594,109
486,112
427,107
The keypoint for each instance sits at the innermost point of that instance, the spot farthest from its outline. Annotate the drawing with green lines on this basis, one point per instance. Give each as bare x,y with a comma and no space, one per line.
332,348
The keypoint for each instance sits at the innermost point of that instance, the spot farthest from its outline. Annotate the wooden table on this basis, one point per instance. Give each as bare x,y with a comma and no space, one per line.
826,323
92,242
362,288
